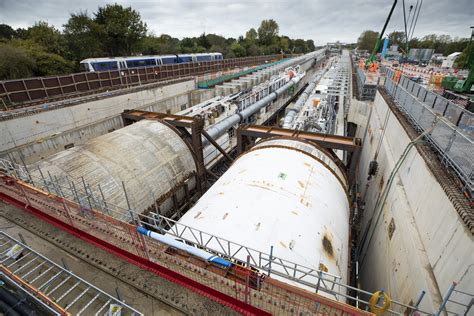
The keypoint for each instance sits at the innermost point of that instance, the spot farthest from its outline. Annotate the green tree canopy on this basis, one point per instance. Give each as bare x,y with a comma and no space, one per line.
121,28
310,45
267,32
82,36
7,32
251,35
114,30
15,63
48,37
45,63
203,41
237,49
367,40
164,44
443,44
397,38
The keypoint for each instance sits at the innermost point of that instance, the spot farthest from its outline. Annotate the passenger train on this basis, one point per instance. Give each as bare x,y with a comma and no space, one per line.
114,63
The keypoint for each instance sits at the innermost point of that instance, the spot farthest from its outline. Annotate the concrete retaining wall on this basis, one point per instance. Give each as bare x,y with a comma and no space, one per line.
420,242
42,134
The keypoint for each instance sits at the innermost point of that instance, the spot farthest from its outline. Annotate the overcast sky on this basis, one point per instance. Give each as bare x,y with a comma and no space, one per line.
320,20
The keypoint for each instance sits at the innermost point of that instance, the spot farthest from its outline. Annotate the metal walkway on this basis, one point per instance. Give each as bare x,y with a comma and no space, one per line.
51,286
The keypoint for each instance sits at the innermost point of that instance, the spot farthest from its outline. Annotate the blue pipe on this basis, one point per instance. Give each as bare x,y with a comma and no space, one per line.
181,246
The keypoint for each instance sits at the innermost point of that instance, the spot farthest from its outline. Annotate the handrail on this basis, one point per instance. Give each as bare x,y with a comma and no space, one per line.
315,279
454,143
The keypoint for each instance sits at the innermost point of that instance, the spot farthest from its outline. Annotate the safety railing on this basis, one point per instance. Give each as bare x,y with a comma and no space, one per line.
24,92
452,141
456,302
81,193
46,280
87,207
269,295
452,112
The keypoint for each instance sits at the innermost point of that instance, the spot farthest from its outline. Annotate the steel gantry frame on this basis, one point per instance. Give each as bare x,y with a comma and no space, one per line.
191,129
247,134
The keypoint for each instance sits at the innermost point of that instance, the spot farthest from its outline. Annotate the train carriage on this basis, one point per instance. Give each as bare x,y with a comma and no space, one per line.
115,63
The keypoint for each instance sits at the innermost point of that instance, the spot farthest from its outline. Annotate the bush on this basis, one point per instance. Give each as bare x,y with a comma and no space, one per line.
15,63
44,63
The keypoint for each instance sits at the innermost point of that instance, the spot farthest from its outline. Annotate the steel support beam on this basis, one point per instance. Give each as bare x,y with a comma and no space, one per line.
324,140
327,141
131,116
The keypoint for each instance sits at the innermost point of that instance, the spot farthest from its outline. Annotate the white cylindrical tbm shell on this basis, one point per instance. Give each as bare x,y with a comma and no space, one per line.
284,193
149,157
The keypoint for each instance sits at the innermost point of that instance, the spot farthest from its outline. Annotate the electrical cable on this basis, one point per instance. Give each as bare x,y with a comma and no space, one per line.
416,20
376,298
408,21
412,21
405,21
384,128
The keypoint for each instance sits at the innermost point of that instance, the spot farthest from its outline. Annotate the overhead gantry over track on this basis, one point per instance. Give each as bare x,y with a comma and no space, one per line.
245,134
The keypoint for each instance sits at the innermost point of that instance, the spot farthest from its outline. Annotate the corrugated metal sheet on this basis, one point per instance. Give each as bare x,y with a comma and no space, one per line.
148,156
279,195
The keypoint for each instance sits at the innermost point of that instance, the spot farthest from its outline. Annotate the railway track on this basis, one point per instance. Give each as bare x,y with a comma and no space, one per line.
178,301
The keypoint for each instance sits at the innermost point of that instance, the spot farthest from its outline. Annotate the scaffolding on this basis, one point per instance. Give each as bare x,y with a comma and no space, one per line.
94,219
50,286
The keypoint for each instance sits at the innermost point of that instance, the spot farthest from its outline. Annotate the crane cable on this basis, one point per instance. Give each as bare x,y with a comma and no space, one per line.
374,302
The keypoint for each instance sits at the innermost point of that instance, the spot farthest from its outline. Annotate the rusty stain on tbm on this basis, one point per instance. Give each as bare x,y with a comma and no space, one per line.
327,245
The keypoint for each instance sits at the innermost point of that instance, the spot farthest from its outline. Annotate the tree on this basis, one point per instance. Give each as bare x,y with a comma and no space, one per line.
237,49
367,40
397,38
216,40
7,32
15,63
267,32
48,37
44,63
300,46
414,43
82,37
165,44
443,44
121,28
254,50
251,35
21,33
284,44
203,41
461,60
310,45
